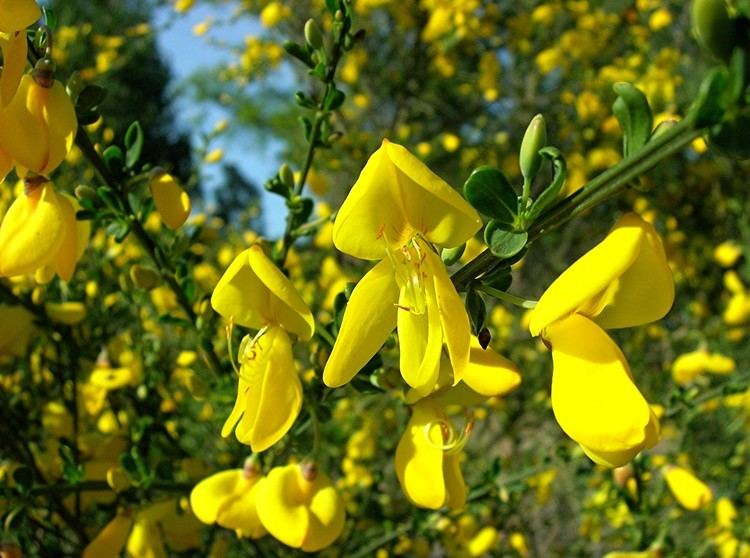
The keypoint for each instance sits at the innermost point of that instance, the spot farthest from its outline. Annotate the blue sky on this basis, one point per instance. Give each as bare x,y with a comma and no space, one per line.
187,53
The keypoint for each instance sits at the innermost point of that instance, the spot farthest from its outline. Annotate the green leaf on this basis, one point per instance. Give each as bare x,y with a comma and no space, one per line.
114,158
632,110
299,52
737,76
490,193
550,193
87,117
500,279
118,229
504,241
710,105
50,18
476,309
133,144
452,255
334,99
108,197
89,98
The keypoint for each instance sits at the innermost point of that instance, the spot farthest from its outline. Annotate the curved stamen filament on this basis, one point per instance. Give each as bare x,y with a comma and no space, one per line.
452,442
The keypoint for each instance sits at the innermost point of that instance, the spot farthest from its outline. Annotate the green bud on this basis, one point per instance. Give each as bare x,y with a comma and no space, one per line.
287,176
313,36
533,140
713,28
84,192
144,277
452,255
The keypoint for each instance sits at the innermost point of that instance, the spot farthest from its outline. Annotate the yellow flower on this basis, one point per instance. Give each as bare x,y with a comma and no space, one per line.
39,125
17,14
229,498
396,210
688,366
727,253
624,281
429,453
428,459
300,507
172,202
689,491
254,293
110,540
39,232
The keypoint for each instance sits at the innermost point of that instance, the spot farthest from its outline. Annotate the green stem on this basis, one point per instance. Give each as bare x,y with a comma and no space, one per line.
153,250
507,297
320,115
601,188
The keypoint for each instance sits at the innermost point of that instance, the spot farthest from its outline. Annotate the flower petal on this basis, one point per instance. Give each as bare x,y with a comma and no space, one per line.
489,373
419,460
431,206
17,14
581,287
453,317
286,306
31,232
369,318
110,541
420,339
15,48
593,395
273,392
395,197
645,292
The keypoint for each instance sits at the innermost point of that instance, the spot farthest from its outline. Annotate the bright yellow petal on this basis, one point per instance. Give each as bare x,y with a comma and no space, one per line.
645,292
431,206
419,457
691,492
273,391
229,499
60,120
241,296
369,318
31,232
145,541
489,373
110,540
281,505
327,515
455,487
15,48
64,262
171,200
17,14
581,287
453,317
420,338
6,163
593,395
49,125
254,293
286,305
395,197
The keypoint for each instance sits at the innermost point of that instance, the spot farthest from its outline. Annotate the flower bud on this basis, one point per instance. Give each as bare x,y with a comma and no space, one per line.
84,192
144,277
713,28
313,36
172,202
10,550
287,176
534,139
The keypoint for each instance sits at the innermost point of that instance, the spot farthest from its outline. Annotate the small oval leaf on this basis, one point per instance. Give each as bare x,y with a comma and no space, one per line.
490,193
504,242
